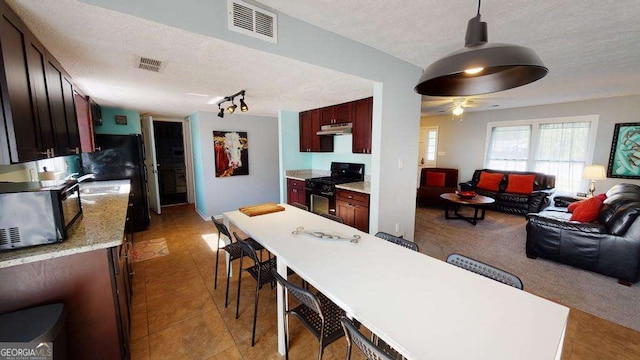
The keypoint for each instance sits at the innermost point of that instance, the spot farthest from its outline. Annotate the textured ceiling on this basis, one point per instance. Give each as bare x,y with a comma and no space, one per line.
592,48
100,49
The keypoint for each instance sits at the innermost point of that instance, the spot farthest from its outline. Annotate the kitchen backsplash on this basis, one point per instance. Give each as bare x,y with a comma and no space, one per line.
59,167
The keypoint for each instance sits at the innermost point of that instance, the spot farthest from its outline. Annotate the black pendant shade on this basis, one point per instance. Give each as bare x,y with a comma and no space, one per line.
503,67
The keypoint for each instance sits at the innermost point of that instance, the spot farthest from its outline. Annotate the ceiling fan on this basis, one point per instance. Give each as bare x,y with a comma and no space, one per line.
457,106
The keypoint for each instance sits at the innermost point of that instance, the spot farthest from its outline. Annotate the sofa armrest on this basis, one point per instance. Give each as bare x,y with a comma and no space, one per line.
467,186
540,221
538,200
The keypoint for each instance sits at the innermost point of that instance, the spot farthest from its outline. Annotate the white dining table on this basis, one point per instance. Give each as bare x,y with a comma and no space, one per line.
421,306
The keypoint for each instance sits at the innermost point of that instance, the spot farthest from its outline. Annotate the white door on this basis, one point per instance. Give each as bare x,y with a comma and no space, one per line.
151,164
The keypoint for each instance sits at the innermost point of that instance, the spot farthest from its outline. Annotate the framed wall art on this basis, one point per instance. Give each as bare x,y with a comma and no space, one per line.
624,160
121,119
231,150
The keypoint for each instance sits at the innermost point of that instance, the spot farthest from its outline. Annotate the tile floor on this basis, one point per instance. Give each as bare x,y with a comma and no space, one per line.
177,314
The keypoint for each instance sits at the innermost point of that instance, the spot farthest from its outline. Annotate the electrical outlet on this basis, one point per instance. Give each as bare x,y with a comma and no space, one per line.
397,228
400,163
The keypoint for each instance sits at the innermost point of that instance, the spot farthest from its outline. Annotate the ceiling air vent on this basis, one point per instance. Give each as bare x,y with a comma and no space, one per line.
150,64
253,21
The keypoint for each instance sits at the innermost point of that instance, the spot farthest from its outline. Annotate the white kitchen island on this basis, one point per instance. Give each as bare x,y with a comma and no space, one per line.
421,306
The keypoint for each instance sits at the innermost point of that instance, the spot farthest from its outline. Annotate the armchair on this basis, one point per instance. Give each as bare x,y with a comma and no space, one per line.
436,181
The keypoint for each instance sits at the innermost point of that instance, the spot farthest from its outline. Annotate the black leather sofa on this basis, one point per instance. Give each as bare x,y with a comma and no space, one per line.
609,246
543,188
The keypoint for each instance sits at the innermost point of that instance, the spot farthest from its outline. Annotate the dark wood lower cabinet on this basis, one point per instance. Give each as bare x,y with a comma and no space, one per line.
296,192
353,208
90,285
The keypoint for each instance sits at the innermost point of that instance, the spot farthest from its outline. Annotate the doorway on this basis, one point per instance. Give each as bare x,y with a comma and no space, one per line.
171,165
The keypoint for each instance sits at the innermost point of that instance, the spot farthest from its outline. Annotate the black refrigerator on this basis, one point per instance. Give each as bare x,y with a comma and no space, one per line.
122,157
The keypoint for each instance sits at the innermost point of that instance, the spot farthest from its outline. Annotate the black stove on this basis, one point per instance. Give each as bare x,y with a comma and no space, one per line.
321,191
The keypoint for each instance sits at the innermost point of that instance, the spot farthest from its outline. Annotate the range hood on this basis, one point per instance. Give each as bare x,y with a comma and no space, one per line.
335,129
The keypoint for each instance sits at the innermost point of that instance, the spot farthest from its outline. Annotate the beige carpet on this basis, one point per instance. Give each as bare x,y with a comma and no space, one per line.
500,240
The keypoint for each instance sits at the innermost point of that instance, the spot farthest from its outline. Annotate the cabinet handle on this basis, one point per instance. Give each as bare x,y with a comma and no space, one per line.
46,153
97,148
350,197
53,152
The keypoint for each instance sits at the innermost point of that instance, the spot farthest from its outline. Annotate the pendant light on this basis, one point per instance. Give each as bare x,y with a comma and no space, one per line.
481,68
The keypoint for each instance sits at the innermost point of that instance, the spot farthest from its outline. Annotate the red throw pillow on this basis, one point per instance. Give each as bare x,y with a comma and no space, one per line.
602,197
490,181
587,210
435,178
574,205
520,184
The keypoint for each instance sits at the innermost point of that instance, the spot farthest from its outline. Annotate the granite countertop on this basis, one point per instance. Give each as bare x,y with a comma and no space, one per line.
305,174
104,212
360,186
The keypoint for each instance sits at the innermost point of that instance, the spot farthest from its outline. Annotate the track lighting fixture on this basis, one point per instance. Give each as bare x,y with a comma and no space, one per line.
480,67
232,108
243,105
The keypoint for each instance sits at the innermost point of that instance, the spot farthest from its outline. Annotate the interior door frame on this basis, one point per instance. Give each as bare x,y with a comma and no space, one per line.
151,163
188,160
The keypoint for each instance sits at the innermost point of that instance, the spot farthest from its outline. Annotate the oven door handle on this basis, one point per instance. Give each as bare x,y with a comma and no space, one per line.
326,193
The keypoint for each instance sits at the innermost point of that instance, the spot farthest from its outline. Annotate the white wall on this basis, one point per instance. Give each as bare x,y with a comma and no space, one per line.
229,193
464,141
396,113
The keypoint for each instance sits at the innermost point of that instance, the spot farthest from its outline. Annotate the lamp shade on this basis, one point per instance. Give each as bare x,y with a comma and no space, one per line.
594,172
480,67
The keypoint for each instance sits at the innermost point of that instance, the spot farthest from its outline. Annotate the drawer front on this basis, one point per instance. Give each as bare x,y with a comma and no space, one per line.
296,184
353,197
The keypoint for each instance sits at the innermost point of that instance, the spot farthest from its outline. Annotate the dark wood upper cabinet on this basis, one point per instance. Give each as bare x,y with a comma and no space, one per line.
56,102
38,110
309,126
85,123
18,106
362,121
73,133
358,113
336,114
36,62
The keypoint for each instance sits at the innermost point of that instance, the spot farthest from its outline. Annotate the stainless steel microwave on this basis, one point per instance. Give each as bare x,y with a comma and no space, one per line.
32,214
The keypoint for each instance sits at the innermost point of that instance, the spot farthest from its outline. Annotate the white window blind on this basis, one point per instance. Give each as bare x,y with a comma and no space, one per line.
558,146
509,148
562,151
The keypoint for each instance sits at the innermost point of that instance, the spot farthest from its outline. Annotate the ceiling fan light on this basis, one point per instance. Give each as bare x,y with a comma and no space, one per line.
458,110
504,66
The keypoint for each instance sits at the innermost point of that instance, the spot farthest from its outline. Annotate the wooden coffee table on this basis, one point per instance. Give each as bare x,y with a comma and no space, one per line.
477,203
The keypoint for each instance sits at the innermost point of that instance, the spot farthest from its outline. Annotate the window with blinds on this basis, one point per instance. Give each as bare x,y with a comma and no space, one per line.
560,147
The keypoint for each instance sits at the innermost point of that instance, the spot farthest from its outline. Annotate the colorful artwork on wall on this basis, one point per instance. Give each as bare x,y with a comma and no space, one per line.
231,153
624,160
